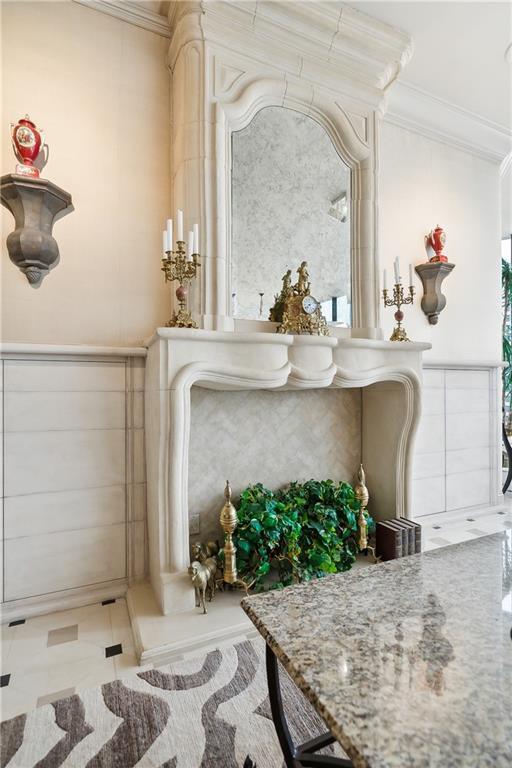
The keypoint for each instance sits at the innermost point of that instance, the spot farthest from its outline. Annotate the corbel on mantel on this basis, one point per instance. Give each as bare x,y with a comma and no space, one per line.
229,60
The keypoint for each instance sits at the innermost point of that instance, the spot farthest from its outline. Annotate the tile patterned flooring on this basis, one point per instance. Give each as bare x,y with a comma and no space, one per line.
48,657
52,656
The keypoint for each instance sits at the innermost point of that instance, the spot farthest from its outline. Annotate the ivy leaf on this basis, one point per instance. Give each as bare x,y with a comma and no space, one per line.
243,545
263,569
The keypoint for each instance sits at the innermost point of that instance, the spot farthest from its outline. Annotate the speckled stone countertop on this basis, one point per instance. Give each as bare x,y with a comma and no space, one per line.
409,662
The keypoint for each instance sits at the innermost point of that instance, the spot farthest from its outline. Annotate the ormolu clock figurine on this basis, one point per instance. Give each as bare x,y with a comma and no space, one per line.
276,312
296,309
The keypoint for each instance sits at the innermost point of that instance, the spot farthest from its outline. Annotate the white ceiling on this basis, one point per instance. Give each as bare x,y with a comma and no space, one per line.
459,51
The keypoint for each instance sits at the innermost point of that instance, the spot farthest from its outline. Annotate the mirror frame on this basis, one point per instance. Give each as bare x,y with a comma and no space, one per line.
234,112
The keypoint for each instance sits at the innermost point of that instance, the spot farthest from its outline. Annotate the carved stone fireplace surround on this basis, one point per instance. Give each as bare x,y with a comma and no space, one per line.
229,60
178,359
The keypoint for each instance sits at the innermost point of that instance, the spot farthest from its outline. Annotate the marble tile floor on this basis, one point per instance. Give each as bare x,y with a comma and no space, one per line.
438,531
52,656
48,657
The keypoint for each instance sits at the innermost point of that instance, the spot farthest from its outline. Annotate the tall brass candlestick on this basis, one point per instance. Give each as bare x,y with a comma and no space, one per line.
363,496
228,522
399,333
176,266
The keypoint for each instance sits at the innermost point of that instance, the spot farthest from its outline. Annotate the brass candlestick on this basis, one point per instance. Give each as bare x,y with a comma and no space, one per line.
399,333
177,266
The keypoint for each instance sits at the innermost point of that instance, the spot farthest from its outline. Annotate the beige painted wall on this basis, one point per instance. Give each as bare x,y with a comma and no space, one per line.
99,87
424,183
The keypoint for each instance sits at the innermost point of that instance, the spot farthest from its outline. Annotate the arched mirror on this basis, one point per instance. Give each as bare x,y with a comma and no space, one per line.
290,202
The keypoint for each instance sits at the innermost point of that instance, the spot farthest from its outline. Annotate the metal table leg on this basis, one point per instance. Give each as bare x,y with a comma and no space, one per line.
302,756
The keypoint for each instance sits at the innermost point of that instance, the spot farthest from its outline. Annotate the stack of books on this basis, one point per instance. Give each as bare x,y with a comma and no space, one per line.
398,538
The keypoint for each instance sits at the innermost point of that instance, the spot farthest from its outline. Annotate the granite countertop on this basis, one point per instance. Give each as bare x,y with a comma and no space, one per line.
408,662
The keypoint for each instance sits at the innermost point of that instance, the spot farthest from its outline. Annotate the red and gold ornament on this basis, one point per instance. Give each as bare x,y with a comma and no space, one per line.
27,142
436,239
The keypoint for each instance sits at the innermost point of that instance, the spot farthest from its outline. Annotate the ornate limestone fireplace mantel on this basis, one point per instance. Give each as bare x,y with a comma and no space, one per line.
178,359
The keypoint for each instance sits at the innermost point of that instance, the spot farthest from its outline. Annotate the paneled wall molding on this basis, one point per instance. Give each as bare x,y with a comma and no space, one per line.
417,110
462,365
457,463
78,350
73,485
228,61
133,13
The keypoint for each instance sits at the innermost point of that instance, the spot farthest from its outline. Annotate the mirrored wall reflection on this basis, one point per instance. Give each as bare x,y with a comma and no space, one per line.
290,202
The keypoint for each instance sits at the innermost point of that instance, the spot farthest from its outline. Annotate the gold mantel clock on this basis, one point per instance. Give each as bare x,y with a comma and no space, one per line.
296,309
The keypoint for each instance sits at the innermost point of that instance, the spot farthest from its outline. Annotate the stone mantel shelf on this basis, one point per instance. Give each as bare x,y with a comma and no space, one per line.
226,360
179,359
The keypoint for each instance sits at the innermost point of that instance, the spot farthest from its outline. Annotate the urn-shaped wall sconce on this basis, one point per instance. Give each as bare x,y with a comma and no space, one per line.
35,204
432,276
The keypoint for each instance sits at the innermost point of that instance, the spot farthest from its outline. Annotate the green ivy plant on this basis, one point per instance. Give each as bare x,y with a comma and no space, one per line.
295,534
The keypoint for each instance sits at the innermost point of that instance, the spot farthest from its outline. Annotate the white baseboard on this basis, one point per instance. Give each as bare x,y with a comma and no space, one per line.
61,601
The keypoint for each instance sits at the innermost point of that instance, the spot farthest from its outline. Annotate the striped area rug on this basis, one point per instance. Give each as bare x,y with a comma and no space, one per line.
207,712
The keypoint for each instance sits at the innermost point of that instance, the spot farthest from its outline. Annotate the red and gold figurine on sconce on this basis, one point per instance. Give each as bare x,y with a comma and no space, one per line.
436,240
27,142
432,275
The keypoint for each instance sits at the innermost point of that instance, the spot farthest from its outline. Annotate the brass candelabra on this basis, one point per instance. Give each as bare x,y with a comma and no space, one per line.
399,333
177,266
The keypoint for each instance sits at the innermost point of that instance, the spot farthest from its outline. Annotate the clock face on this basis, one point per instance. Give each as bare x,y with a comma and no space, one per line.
309,304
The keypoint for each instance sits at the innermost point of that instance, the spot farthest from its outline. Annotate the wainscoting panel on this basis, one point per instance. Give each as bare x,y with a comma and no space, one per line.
38,565
74,473
457,456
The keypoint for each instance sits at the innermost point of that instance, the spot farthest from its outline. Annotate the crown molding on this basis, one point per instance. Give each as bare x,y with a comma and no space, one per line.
131,12
417,110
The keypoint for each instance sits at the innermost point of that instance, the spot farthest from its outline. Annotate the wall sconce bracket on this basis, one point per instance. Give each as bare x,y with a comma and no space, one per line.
432,276
35,204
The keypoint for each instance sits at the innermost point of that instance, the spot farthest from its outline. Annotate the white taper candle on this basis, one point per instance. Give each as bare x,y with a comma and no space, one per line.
397,270
196,238
180,225
169,234
164,242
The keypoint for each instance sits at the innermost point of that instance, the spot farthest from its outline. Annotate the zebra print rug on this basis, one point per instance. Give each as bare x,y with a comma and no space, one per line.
208,712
